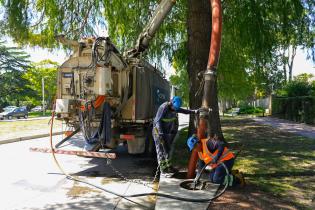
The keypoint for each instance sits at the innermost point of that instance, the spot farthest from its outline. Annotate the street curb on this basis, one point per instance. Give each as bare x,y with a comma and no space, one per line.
7,141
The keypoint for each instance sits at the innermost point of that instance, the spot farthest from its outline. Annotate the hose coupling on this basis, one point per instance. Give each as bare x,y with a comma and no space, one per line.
210,73
204,112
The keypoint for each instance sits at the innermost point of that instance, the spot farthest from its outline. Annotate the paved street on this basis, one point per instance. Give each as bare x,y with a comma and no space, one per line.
31,180
288,126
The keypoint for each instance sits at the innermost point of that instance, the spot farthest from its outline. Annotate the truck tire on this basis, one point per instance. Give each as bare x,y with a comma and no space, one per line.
10,117
25,116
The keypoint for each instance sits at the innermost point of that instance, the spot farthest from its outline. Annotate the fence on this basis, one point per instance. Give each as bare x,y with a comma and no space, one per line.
298,109
263,103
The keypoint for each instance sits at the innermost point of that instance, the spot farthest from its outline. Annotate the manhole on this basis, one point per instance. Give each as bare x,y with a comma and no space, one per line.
190,185
201,185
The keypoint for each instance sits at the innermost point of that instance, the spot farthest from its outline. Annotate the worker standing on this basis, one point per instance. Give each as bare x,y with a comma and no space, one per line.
213,151
165,126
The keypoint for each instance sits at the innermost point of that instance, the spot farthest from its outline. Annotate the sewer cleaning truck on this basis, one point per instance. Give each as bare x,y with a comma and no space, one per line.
109,96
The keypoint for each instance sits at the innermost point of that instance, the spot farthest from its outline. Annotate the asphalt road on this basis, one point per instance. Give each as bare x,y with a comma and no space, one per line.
31,180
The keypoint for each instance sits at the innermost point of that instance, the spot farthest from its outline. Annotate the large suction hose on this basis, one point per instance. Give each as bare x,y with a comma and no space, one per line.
209,78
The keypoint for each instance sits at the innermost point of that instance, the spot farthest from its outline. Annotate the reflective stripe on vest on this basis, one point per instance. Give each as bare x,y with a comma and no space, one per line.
169,119
207,156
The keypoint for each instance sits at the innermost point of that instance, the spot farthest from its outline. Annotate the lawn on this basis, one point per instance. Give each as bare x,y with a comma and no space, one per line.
39,114
277,163
21,128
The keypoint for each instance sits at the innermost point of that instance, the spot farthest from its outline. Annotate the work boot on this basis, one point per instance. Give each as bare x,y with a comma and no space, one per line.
240,178
233,172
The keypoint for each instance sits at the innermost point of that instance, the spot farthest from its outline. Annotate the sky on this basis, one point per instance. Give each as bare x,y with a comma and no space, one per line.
301,64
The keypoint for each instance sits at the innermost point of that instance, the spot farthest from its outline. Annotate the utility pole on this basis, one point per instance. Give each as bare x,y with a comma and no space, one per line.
43,94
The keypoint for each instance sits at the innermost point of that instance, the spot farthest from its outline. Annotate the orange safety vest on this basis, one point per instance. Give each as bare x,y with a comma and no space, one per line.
207,156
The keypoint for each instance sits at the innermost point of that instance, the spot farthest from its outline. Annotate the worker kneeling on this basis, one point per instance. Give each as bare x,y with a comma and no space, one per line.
213,151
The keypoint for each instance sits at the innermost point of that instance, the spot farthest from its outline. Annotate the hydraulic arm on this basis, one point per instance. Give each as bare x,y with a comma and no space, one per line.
151,28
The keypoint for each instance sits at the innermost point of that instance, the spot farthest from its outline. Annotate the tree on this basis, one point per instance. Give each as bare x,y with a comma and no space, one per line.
46,69
13,63
301,85
180,79
251,46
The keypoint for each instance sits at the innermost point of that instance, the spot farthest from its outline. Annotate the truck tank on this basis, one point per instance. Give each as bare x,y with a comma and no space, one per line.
132,88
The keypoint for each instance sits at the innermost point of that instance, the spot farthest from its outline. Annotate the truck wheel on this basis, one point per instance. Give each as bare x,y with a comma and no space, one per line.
10,117
25,116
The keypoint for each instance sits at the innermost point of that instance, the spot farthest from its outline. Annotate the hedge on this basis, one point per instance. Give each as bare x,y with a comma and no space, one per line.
298,109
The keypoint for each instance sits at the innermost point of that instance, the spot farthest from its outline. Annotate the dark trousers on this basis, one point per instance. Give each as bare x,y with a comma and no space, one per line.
163,144
217,175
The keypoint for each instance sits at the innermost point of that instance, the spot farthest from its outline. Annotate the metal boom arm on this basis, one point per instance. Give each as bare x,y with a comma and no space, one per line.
151,28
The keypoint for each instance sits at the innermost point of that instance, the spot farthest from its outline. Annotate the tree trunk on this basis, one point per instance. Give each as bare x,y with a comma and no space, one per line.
284,63
290,62
199,31
214,117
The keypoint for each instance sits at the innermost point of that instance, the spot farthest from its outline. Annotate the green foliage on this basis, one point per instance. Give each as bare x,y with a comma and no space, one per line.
251,110
252,43
38,22
39,114
46,69
301,85
180,78
13,63
298,88
299,109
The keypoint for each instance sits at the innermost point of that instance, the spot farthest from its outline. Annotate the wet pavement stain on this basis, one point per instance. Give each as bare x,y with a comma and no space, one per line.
152,198
109,180
77,191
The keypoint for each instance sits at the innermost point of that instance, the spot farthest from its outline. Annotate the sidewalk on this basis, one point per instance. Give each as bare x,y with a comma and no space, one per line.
288,126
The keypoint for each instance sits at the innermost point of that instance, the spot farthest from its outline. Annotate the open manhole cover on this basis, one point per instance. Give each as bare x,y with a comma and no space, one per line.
200,185
190,185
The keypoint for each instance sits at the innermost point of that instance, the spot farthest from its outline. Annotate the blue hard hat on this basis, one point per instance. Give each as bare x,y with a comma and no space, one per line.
176,102
191,141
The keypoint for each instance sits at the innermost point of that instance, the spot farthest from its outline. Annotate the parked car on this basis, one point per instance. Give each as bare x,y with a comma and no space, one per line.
37,109
9,108
14,112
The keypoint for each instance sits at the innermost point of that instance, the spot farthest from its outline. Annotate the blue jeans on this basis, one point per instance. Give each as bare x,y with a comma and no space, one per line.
218,174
